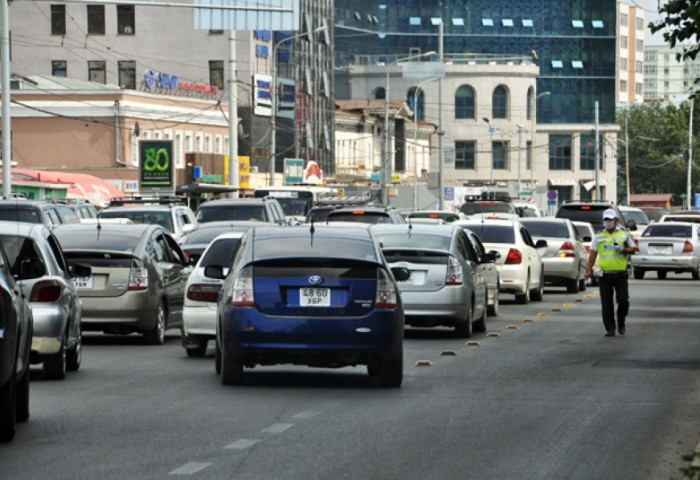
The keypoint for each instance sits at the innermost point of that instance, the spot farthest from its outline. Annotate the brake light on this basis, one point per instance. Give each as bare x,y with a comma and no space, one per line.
687,247
242,291
203,292
387,296
46,291
454,272
358,212
514,257
138,276
566,250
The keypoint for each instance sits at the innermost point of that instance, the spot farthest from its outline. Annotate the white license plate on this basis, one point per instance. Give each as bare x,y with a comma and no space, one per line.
315,297
83,282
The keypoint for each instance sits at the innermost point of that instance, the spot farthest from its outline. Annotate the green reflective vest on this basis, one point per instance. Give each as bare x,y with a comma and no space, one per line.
610,259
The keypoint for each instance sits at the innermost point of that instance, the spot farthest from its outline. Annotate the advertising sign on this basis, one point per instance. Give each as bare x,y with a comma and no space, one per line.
156,166
293,171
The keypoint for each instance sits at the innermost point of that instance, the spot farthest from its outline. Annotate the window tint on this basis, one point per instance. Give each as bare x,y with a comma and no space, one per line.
547,229
493,233
664,230
220,252
438,242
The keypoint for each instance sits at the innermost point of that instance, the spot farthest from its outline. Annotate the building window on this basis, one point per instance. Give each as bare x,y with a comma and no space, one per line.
418,110
59,68
623,41
127,74
530,103
623,85
216,73
487,22
638,67
465,155
500,155
587,160
576,64
577,23
58,19
528,23
126,21
97,71
640,45
262,51
96,19
638,88
380,93
528,155
414,21
464,102
507,22
640,23
597,23
560,152
623,64
557,64
624,19
500,103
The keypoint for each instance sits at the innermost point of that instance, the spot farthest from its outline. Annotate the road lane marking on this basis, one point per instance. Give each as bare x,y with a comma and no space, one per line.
278,427
190,468
241,444
308,414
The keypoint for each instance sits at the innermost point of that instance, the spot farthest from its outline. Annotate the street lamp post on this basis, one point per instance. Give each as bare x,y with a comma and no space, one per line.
386,167
273,100
533,120
520,149
415,141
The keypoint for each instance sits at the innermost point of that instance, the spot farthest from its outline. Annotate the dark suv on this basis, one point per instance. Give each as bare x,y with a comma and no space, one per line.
266,209
32,211
592,212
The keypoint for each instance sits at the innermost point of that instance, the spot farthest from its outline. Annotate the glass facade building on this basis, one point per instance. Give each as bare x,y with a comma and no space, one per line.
574,43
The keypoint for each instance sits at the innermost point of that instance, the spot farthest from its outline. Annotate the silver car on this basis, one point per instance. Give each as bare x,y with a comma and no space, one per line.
487,264
565,258
668,247
44,278
446,286
138,277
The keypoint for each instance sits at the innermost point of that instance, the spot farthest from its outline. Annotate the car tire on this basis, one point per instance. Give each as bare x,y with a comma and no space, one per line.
638,273
75,355
391,371
493,309
480,325
661,274
696,275
524,298
231,369
8,407
572,284
23,397
582,283
156,336
55,364
538,293
217,359
464,329
198,348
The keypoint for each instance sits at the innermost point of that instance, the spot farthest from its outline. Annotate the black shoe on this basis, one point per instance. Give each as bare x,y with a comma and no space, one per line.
611,333
621,330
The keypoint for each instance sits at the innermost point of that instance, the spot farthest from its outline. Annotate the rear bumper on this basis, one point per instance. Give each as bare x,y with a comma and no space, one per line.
677,263
135,312
447,306
561,269
199,320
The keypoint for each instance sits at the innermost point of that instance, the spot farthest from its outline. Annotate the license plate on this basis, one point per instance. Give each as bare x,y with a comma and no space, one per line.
315,297
83,282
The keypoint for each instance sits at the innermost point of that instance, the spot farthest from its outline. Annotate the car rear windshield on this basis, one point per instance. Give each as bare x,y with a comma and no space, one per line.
314,246
20,215
416,256
547,229
113,241
493,233
220,252
413,240
164,219
231,212
98,259
663,230
471,208
359,216
204,235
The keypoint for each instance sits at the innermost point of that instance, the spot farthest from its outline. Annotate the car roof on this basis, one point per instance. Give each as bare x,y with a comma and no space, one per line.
235,201
495,221
423,228
23,229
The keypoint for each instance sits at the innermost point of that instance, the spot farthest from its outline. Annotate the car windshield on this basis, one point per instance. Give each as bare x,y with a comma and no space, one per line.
316,246
639,217
413,240
231,212
164,219
547,229
220,252
655,213
665,230
493,233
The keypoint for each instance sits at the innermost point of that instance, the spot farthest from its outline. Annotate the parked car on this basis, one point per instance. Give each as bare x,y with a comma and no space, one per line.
487,263
15,350
265,210
321,296
668,247
168,212
43,276
446,286
520,264
202,293
194,244
31,211
565,258
366,214
138,277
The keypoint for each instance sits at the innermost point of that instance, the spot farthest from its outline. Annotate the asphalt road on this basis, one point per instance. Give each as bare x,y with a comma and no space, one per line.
542,395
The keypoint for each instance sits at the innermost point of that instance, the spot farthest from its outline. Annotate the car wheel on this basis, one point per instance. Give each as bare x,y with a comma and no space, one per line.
55,365
696,275
464,329
538,293
217,359
75,354
8,407
493,309
198,348
661,274
572,284
480,325
23,397
231,369
638,273
524,298
156,336
391,371
582,283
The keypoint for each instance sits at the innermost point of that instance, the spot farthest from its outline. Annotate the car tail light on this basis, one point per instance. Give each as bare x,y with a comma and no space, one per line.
454,272
687,247
200,292
514,257
566,250
387,296
242,291
138,276
46,291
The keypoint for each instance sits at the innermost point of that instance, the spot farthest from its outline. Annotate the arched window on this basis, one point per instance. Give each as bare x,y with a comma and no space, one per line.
419,110
380,93
464,102
500,102
530,102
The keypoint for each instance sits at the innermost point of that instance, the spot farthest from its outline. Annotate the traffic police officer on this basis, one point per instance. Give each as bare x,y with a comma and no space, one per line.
611,247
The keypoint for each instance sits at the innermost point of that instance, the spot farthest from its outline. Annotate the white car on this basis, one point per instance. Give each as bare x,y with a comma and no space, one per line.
202,293
668,247
520,264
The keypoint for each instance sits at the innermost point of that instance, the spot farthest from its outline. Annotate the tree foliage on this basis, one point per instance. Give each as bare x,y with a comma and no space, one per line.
680,26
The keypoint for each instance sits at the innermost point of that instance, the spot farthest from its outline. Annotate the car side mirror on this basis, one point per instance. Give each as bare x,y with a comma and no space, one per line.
587,238
632,225
187,228
541,243
214,271
401,274
80,270
491,256
30,268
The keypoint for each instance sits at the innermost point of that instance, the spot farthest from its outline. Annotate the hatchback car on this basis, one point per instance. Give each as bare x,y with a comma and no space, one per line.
43,276
265,210
202,293
168,212
318,296
668,247
446,286
520,264
138,277
31,211
565,258
15,351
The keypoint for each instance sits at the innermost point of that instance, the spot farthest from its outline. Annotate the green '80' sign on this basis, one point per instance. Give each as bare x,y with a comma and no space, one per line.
156,165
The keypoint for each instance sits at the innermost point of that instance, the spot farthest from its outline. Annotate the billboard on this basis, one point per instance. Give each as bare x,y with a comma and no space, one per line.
156,166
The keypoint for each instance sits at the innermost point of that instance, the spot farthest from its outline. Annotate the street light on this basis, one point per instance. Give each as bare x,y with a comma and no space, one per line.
415,141
520,149
273,99
386,168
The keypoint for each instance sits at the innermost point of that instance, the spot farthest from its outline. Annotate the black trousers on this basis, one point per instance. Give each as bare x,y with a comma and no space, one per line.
613,288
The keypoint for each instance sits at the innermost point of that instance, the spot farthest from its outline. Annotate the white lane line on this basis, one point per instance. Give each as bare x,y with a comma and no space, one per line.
241,444
278,427
190,468
307,414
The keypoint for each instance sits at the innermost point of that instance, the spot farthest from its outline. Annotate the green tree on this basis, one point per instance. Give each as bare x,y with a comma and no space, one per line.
680,25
